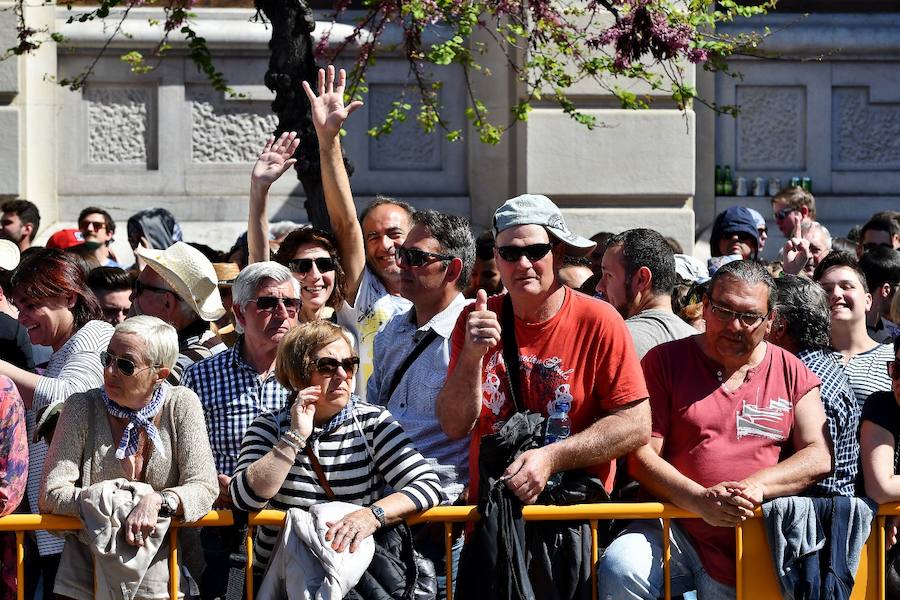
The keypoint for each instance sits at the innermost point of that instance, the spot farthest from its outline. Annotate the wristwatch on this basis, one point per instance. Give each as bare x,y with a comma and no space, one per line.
379,514
169,503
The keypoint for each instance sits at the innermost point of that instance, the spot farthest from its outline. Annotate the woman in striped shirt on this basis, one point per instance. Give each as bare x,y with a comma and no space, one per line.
362,450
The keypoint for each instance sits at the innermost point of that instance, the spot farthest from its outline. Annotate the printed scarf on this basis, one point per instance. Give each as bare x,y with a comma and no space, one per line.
138,419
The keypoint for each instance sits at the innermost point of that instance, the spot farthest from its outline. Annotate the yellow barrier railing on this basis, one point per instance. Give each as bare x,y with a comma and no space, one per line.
449,515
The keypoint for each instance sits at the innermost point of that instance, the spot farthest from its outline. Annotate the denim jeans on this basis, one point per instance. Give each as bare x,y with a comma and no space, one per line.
632,566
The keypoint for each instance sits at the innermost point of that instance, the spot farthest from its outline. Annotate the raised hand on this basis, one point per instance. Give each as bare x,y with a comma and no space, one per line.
482,327
275,158
304,408
327,109
796,254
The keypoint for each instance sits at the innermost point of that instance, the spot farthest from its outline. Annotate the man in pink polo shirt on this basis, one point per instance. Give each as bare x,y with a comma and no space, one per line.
727,408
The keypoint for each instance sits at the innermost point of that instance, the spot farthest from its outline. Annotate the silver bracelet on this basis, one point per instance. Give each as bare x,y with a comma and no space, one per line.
290,442
298,439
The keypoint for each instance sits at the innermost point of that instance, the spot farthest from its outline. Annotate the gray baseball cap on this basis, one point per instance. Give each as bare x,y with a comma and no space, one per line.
534,209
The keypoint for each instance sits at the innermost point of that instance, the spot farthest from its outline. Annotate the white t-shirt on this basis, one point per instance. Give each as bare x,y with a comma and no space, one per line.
373,308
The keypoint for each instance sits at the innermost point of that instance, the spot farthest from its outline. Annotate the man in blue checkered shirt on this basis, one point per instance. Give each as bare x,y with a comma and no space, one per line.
238,385
803,326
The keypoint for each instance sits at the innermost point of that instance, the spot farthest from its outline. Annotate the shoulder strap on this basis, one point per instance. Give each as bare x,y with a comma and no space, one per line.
320,473
510,351
410,359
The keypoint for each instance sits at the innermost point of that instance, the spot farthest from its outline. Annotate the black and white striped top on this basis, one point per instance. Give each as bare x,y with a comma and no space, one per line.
365,457
867,372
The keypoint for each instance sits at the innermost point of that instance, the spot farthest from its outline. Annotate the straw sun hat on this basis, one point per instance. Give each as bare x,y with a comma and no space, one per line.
190,274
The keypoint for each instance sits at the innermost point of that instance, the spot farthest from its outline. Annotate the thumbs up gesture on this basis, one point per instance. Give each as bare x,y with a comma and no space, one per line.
482,327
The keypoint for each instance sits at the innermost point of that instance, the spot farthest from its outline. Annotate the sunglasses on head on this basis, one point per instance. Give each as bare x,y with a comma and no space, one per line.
784,212
413,257
123,365
304,265
328,366
532,252
271,303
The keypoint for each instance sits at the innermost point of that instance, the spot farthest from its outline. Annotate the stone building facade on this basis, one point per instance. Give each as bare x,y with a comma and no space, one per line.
166,138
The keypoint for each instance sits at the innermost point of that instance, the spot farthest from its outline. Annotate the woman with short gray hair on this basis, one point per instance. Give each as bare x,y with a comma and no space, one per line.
138,427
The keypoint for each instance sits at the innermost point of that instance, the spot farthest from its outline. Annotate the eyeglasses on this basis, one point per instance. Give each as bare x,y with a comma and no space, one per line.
328,366
304,265
726,315
271,303
784,212
892,370
413,257
533,252
140,287
123,365
98,225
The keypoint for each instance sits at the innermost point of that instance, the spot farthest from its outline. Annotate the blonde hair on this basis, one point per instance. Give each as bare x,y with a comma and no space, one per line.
795,197
292,363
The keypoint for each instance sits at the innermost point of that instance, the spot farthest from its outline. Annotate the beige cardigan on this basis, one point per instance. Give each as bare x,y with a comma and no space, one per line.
75,462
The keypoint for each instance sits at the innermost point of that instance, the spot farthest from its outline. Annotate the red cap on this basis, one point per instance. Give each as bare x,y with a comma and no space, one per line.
65,238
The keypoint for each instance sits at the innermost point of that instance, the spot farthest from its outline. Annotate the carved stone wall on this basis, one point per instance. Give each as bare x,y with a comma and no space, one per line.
227,131
866,134
771,127
835,119
166,138
407,148
119,125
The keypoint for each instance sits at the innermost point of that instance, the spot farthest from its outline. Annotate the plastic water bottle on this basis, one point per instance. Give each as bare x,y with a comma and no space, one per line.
559,426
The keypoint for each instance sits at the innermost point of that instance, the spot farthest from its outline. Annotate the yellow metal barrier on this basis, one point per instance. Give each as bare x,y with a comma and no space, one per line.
751,546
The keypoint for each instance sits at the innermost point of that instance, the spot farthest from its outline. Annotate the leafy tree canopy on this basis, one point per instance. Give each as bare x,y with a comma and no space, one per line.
550,46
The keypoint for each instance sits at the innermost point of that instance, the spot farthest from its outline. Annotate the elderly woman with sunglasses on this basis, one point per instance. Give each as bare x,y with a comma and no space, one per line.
361,449
138,427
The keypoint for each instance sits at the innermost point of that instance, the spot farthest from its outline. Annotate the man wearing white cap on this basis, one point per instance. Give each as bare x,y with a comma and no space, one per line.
179,285
572,349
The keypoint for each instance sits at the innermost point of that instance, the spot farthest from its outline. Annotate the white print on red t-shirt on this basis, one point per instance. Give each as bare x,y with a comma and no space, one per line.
753,420
546,382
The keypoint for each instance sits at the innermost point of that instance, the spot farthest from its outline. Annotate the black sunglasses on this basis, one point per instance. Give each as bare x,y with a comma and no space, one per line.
533,252
271,303
304,265
328,366
413,257
123,365
784,212
140,287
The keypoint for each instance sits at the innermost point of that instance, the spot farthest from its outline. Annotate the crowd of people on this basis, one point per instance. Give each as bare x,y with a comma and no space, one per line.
378,368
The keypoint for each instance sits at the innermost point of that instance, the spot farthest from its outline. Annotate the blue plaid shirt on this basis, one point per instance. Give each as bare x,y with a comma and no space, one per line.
232,395
843,412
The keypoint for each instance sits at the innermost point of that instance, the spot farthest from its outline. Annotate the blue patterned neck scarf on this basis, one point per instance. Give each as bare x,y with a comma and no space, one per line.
334,422
138,419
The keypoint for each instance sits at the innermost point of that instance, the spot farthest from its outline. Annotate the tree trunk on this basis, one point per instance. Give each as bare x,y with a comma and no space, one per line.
292,60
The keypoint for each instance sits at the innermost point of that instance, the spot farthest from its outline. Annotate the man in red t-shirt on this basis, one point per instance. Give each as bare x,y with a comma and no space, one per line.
735,421
571,348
